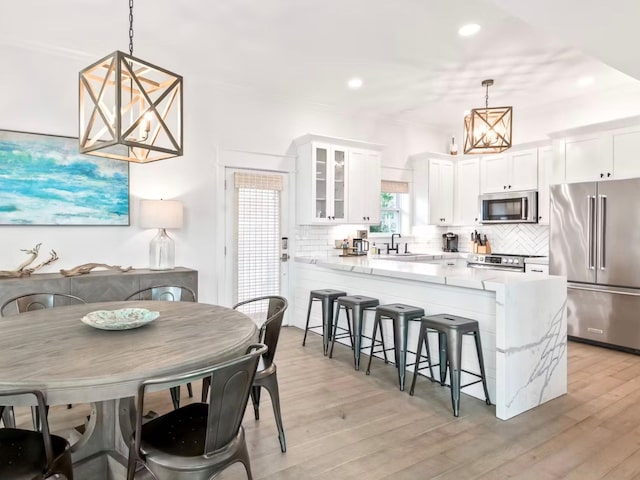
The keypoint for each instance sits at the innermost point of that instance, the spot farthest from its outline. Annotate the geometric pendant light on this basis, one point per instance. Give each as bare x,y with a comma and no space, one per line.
130,109
487,130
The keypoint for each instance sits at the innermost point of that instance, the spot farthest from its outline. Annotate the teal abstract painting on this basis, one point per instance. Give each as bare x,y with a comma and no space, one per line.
45,181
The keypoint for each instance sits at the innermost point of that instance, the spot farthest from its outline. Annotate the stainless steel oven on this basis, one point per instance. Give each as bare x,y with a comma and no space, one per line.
498,261
509,207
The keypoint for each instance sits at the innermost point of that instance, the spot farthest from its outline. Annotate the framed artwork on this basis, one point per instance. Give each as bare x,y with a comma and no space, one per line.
45,181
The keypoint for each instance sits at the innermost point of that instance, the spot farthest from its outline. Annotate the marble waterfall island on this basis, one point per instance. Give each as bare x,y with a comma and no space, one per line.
522,317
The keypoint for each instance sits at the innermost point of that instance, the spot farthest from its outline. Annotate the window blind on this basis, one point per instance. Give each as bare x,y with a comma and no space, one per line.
389,186
257,234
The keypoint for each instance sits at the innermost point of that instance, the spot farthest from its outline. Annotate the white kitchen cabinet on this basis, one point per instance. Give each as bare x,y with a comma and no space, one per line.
626,145
441,192
364,187
326,183
512,171
597,155
467,189
588,157
433,190
536,268
545,159
321,184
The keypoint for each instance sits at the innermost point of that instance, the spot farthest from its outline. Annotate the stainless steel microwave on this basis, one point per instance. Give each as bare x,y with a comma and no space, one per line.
509,207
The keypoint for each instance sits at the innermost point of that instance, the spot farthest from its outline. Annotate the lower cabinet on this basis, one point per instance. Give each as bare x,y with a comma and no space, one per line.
535,268
100,286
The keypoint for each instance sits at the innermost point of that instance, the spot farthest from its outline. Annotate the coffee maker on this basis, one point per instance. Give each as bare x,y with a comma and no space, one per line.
449,242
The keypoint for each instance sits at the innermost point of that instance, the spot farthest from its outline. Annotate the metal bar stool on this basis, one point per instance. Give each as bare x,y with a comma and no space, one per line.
401,315
357,305
450,329
327,296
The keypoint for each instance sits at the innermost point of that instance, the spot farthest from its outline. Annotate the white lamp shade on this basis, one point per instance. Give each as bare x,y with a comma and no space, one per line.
161,214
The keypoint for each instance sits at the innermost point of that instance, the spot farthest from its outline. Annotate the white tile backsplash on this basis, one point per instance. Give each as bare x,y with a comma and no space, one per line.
518,238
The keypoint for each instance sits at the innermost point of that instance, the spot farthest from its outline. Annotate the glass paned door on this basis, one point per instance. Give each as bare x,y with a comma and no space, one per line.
255,248
339,189
322,171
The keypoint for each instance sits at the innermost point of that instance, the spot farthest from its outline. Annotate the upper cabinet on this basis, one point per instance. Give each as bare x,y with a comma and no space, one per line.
606,154
509,171
433,181
467,189
364,187
338,181
545,159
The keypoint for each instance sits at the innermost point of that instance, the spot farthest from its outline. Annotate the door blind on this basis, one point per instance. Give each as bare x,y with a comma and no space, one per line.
257,234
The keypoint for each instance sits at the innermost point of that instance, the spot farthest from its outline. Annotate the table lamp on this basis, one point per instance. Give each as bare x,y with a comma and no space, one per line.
161,214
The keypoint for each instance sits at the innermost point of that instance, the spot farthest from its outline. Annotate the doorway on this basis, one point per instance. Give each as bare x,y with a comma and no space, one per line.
256,243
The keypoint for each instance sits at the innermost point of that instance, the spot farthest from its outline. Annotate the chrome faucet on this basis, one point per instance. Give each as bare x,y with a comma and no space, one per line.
394,247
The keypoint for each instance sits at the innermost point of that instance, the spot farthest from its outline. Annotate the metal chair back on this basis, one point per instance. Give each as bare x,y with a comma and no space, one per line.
231,382
168,293
38,301
268,312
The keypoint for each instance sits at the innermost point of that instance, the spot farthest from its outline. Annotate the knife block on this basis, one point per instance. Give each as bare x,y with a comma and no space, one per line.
475,248
484,248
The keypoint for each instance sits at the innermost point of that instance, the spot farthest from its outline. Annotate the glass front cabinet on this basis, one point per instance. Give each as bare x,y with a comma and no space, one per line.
325,180
329,190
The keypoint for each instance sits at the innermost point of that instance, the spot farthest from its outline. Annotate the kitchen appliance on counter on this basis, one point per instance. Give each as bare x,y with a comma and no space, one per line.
594,238
509,207
360,246
449,242
499,261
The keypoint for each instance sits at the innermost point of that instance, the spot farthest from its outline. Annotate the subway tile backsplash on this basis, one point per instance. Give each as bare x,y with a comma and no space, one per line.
520,238
516,238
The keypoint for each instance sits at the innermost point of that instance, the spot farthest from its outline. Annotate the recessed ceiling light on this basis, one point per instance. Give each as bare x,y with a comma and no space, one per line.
355,83
469,29
585,81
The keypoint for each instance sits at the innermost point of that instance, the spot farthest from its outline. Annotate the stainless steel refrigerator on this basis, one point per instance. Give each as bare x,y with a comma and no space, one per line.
595,243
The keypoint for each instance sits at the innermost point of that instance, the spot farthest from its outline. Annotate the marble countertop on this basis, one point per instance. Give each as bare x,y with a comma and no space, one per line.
431,268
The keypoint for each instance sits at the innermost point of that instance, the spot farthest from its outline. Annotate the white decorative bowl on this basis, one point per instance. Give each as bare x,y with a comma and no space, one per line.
122,319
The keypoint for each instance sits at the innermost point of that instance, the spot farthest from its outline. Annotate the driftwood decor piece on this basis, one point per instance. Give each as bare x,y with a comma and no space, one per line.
87,267
22,270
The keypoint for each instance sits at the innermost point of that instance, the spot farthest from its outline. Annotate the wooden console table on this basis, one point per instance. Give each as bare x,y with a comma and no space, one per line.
98,286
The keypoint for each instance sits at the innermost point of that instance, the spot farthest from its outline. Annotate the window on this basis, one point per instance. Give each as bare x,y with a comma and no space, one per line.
393,200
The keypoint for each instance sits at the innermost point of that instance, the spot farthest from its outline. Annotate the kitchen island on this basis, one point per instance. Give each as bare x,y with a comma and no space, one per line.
522,317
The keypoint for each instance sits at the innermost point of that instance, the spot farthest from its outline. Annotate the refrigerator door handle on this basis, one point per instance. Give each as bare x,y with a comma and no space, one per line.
602,218
591,260
604,290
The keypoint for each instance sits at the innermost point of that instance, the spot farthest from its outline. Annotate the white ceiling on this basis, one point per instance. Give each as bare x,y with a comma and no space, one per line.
414,65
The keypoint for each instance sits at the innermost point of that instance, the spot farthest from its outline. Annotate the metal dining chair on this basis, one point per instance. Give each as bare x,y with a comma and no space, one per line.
168,293
199,440
27,454
37,301
267,312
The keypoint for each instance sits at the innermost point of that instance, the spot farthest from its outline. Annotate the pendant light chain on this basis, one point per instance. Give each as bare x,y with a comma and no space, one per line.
131,27
486,97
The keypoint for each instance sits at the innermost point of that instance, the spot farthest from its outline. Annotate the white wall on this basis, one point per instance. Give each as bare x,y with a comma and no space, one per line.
38,93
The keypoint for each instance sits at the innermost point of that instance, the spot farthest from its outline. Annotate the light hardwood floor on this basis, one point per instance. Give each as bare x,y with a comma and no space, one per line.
341,424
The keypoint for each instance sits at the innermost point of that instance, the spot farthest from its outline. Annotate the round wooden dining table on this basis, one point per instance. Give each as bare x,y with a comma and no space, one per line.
71,362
